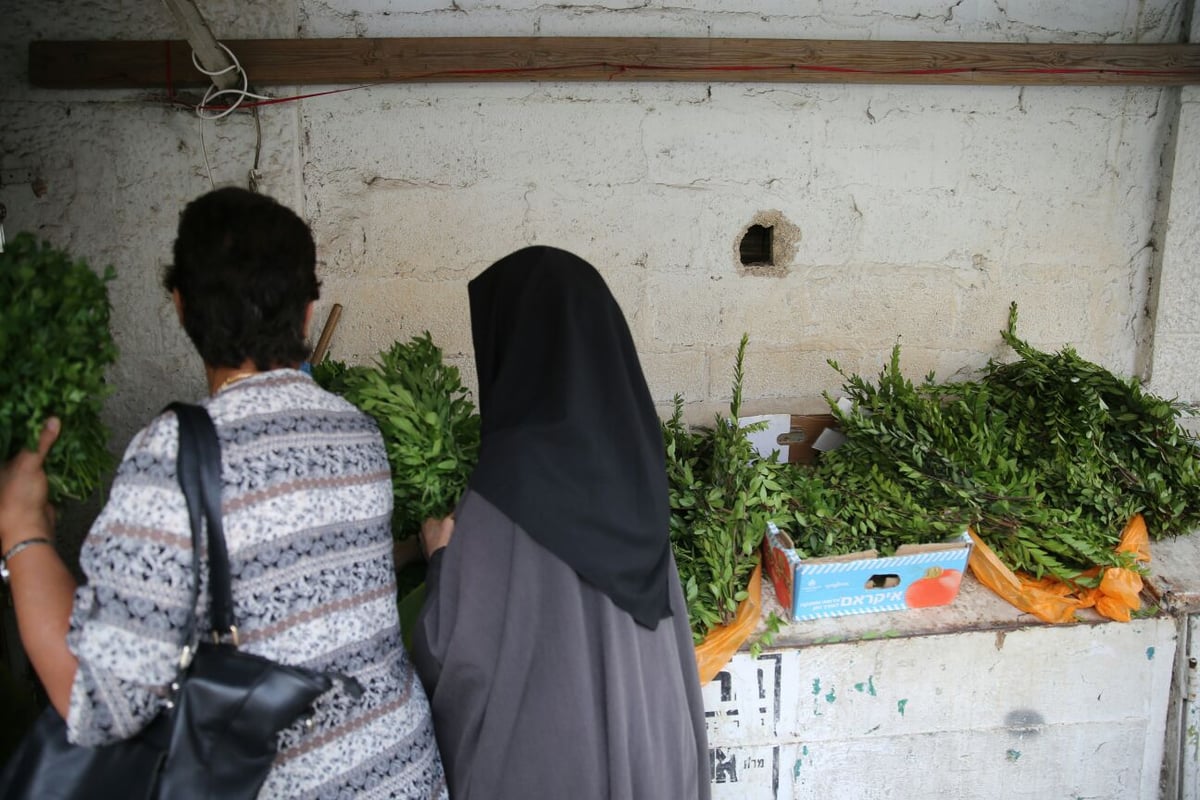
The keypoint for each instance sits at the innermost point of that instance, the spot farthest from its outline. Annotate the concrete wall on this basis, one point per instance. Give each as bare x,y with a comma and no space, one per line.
917,212
1026,714
1177,321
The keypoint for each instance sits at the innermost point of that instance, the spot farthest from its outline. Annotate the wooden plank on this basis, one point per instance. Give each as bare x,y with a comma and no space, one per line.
306,62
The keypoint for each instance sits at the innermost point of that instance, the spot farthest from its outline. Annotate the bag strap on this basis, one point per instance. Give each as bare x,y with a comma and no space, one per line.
199,469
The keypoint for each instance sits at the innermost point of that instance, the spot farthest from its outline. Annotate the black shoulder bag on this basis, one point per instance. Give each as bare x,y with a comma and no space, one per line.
216,738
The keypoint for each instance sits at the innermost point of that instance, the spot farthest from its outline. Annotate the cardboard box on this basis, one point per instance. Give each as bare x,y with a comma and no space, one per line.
798,438
918,576
801,439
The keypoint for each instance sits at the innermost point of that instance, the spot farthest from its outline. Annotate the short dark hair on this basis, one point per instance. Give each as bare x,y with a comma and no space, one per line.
245,267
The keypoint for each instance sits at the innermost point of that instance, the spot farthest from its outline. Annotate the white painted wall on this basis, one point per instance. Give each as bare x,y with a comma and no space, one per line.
1026,714
1177,321
922,211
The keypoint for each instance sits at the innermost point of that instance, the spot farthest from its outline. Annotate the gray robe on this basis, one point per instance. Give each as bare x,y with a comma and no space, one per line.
542,688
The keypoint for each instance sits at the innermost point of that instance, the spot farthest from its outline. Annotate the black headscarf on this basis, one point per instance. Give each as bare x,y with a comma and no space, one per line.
572,448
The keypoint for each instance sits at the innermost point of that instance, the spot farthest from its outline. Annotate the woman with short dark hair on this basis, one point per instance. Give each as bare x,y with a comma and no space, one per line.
306,502
246,266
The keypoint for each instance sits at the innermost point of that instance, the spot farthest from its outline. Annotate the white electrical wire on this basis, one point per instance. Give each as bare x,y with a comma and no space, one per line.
204,149
214,92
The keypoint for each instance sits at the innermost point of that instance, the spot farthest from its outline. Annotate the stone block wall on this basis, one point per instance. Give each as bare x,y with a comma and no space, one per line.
910,214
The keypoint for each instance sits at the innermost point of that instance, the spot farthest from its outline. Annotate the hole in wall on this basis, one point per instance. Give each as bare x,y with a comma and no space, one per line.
766,246
756,246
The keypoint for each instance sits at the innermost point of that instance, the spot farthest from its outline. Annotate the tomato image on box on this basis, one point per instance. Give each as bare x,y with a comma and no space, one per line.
918,576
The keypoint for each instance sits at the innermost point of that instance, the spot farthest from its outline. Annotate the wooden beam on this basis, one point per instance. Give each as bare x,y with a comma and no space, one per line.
308,62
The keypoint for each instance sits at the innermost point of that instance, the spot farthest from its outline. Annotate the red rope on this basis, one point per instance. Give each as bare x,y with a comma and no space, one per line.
170,78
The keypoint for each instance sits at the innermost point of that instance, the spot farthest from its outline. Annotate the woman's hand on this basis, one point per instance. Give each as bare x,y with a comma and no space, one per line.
42,587
435,534
25,510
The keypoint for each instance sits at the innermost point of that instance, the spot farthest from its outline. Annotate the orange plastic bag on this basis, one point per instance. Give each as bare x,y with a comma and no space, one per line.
1051,600
722,642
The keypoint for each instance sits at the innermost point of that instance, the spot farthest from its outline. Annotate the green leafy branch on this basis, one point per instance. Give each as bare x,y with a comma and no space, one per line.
55,337
1047,457
428,423
722,496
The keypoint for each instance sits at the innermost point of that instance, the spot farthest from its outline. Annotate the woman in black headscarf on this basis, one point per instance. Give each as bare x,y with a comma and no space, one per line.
554,642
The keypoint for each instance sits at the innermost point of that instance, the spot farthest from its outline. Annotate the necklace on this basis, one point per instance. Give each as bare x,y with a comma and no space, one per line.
234,378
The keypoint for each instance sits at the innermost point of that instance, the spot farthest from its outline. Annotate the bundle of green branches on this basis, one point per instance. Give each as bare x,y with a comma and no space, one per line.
429,425
1047,457
54,334
722,496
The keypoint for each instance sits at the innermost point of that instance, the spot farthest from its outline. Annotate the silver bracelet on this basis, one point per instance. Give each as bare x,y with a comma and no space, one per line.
16,548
